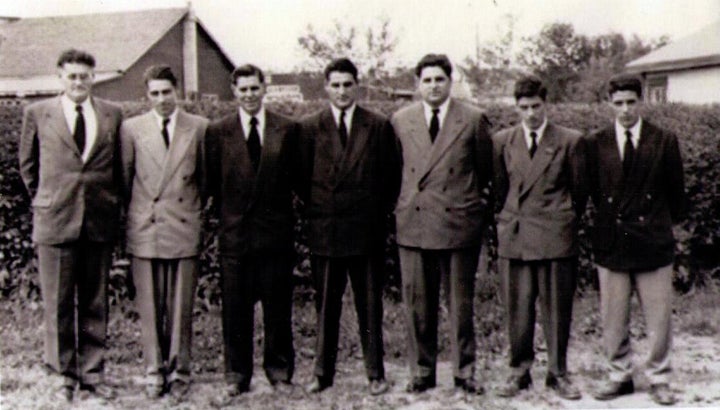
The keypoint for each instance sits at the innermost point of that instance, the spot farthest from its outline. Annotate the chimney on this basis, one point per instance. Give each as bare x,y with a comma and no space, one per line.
190,55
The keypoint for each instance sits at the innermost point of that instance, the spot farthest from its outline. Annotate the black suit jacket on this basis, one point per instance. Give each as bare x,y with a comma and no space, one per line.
255,209
348,192
634,216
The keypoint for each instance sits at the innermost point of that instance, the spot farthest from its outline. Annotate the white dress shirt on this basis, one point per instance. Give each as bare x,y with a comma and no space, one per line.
348,117
540,131
428,109
171,124
245,123
620,136
90,118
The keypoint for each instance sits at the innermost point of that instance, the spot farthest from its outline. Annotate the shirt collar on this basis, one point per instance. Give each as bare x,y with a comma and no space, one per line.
428,109
635,130
348,114
159,118
69,104
540,131
260,115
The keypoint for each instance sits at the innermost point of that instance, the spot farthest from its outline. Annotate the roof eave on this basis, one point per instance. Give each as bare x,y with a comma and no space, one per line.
673,65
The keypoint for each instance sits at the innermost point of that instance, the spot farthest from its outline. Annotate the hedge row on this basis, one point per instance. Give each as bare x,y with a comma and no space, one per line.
698,248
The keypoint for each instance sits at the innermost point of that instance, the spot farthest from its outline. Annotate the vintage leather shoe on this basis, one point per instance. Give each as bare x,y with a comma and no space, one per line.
378,387
100,390
563,387
318,384
420,384
469,386
611,390
661,394
282,386
514,384
155,390
229,393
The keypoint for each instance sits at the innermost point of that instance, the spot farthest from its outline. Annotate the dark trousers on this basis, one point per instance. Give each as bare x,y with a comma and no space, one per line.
165,296
264,276
75,270
422,273
553,281
366,278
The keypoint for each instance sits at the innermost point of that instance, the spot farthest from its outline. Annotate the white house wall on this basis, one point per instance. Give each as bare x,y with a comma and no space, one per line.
699,86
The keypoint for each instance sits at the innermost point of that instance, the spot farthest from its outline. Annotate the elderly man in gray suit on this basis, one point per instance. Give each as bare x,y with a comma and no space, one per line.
540,186
164,180
440,214
69,162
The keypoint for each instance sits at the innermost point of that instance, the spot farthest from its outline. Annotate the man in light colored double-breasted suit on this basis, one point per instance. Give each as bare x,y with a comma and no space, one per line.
440,214
541,192
69,162
164,180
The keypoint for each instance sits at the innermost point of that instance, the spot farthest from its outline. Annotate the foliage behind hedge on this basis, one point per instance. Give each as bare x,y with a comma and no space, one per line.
697,127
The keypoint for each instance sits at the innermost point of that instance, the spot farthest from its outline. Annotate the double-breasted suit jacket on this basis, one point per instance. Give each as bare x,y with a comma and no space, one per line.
69,195
540,199
256,241
634,215
165,186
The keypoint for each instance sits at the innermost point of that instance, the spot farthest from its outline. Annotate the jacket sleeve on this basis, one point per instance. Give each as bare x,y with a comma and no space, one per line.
484,160
211,143
29,152
201,162
391,161
501,182
127,155
579,183
674,179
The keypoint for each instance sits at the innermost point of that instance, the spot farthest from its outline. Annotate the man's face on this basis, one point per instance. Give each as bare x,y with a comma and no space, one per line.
77,80
532,111
249,92
342,89
434,85
626,105
162,96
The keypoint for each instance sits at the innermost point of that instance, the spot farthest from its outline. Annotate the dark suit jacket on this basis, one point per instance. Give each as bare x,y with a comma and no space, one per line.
164,186
68,194
255,209
541,199
441,205
634,217
350,191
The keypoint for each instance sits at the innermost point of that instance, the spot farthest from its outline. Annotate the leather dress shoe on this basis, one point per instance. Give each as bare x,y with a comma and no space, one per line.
611,390
420,384
64,393
378,387
318,384
563,387
661,394
282,386
514,384
469,386
99,390
155,390
228,394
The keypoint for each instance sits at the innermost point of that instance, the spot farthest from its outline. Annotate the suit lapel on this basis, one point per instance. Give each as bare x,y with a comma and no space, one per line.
175,153
56,119
419,133
331,137
151,140
450,131
546,150
102,134
357,141
272,140
644,154
610,163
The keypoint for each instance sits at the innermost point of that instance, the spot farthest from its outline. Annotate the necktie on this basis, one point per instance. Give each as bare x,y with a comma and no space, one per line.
434,124
342,129
253,143
165,133
79,133
628,153
533,143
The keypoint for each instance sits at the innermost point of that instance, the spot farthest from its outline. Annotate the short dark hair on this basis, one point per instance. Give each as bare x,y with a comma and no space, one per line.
434,60
247,70
530,86
343,65
76,56
625,82
160,72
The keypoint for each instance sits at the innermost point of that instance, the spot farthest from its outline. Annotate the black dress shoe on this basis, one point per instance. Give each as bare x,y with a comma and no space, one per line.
469,386
563,387
661,394
318,384
229,393
420,384
155,390
99,390
378,387
514,384
282,386
611,390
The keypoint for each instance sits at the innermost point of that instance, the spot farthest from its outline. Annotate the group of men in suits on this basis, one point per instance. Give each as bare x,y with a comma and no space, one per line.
434,163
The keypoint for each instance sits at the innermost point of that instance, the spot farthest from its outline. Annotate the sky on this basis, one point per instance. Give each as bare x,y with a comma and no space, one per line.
265,32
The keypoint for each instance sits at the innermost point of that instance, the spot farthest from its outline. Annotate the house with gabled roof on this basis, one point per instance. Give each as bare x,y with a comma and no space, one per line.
687,70
124,44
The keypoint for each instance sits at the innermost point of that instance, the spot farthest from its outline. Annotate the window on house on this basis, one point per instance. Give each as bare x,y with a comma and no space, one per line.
656,90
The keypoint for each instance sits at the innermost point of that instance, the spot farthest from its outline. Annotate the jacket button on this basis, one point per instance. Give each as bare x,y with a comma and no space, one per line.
412,169
152,220
182,220
447,209
618,221
641,218
420,188
179,199
452,170
417,208
156,199
610,200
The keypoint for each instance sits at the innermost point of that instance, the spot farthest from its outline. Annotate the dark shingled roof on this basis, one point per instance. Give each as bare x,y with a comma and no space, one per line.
30,47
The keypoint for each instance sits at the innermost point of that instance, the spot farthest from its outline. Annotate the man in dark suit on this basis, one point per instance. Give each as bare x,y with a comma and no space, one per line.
352,170
251,157
638,191
440,214
540,183
69,161
164,180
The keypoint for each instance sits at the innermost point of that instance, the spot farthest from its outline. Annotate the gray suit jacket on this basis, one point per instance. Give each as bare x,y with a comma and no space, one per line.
441,203
165,187
66,192
540,199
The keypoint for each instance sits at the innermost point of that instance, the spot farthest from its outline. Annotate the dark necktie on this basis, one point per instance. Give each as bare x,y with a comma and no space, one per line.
253,143
165,133
628,153
434,124
342,129
533,143
79,133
